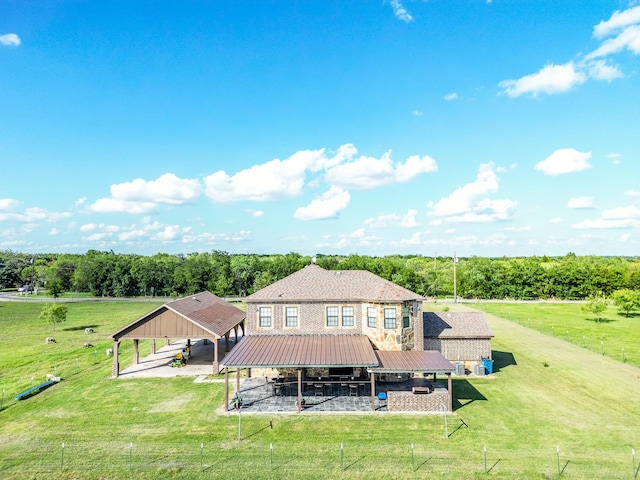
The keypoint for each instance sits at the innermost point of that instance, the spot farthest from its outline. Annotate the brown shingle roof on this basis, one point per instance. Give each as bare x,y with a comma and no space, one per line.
203,309
281,351
428,361
314,283
456,325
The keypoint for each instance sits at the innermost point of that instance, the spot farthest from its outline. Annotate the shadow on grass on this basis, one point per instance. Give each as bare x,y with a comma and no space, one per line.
355,462
493,466
262,429
76,329
502,360
464,393
600,320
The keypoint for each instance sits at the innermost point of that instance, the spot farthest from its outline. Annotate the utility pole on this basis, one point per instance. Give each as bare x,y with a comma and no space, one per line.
455,283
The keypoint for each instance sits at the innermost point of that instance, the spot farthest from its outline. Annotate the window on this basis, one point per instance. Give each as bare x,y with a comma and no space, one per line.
332,316
372,315
347,316
265,316
389,318
291,314
406,323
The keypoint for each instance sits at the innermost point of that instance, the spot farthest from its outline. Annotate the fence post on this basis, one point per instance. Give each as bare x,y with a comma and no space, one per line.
633,459
342,456
485,459
62,458
558,455
201,460
130,456
413,462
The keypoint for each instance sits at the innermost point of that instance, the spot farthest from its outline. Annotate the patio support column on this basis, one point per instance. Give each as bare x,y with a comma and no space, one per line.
226,388
238,380
115,368
373,392
450,392
136,353
299,390
226,342
153,346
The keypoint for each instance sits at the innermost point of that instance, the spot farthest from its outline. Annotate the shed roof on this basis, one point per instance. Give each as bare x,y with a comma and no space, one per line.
314,283
282,351
206,313
456,325
430,361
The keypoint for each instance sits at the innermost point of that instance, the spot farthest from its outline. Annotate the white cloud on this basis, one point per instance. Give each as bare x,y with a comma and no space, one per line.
467,203
632,193
110,205
327,205
141,196
550,79
366,173
31,215
601,71
556,220
168,233
581,203
630,211
400,12
625,237
10,40
629,38
451,96
526,228
605,223
269,181
213,238
564,160
391,220
7,204
255,213
416,113
619,19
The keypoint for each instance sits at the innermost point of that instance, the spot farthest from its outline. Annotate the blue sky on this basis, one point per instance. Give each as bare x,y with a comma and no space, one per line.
487,128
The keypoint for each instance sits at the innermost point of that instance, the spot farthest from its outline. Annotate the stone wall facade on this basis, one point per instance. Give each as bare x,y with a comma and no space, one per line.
312,320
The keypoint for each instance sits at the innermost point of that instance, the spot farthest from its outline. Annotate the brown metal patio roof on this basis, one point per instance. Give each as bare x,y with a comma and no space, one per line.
282,351
428,361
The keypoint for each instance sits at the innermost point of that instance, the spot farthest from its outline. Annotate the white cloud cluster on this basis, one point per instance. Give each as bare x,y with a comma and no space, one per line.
141,196
400,11
623,30
618,217
28,215
564,160
10,40
393,220
581,203
469,204
327,205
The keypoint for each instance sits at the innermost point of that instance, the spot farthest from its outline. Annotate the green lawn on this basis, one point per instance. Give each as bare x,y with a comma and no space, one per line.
615,335
546,393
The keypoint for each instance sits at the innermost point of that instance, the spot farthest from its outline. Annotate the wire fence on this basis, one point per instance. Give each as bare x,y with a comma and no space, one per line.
180,459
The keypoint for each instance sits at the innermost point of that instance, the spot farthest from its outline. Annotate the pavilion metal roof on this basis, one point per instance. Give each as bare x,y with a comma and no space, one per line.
202,313
288,351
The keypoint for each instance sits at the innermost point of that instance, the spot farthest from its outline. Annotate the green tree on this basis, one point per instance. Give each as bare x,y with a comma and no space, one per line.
54,313
596,304
626,300
54,287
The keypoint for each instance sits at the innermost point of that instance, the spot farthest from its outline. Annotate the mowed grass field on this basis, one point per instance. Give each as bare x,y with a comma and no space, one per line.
552,409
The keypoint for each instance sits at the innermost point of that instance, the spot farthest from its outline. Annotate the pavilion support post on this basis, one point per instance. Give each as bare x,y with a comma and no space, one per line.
373,392
216,360
115,368
299,390
242,327
153,346
226,388
450,392
136,352
167,341
238,380
226,342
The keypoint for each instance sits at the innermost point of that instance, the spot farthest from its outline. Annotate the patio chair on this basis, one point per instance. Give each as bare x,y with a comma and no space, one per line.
382,400
353,389
319,389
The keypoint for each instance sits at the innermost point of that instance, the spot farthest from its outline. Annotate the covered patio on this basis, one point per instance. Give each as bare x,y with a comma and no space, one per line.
203,316
311,381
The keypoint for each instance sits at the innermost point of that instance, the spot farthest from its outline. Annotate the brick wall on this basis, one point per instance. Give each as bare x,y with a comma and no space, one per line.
419,402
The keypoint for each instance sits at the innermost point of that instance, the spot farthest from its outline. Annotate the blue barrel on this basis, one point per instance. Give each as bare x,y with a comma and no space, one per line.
487,363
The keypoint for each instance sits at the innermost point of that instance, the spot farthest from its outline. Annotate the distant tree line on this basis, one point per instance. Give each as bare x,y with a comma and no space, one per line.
123,275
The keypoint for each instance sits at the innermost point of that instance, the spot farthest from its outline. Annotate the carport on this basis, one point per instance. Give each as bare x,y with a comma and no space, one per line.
203,315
